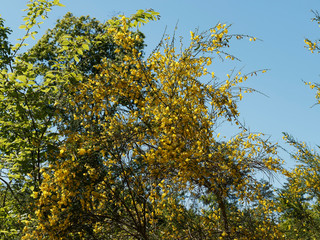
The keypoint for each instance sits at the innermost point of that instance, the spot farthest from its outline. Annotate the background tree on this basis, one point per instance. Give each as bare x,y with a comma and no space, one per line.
33,96
299,198
24,124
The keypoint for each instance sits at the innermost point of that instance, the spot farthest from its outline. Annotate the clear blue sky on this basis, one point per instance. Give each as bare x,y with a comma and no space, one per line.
282,25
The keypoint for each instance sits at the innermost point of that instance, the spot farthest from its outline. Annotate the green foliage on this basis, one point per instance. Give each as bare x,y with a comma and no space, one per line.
300,198
138,144
5,48
25,119
35,103
97,142
31,92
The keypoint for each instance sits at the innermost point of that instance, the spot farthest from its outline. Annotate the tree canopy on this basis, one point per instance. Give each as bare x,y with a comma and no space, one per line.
99,141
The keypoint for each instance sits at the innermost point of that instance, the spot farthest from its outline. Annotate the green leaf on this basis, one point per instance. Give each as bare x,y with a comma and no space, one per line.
79,51
65,43
57,3
140,11
50,75
22,78
85,46
45,90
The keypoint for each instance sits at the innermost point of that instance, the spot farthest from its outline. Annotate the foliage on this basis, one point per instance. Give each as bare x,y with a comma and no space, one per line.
32,92
147,145
25,119
299,198
312,47
98,141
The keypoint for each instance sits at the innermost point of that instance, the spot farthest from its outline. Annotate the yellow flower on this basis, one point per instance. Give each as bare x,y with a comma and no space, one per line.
82,151
62,150
192,34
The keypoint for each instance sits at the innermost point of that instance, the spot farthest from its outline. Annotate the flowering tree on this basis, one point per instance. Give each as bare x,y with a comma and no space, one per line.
148,147
102,142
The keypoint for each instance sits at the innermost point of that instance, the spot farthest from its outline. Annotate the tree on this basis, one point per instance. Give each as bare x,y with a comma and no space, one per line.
98,141
25,119
33,96
147,146
299,198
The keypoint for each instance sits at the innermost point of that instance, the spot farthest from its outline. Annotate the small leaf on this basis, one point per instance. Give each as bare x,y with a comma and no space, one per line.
45,90
79,51
22,78
65,43
155,13
140,11
50,75
85,46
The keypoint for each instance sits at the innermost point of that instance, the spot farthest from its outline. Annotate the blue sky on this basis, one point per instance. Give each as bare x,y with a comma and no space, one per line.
282,26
